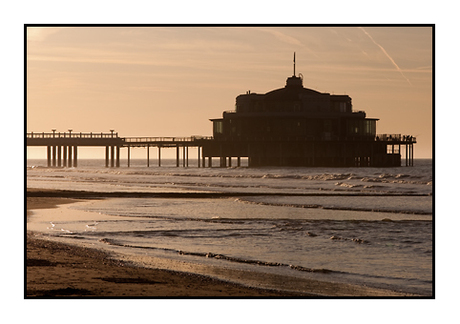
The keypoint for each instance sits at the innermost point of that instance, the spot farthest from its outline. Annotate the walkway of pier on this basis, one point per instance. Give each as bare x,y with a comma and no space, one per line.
62,147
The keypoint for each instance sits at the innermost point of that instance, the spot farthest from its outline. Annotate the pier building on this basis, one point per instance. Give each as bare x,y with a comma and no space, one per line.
298,126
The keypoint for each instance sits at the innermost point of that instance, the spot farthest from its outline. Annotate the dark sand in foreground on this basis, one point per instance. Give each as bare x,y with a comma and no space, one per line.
60,270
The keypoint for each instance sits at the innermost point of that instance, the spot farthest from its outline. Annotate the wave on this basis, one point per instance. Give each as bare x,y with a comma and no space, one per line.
254,173
359,209
383,178
218,256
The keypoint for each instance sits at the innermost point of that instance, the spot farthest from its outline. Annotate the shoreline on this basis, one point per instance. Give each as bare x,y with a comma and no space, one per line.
57,270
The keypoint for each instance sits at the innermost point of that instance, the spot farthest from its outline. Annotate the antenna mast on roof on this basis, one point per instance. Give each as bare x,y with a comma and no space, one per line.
294,63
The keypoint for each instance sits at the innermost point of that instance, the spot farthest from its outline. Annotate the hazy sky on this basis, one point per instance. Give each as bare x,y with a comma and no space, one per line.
169,81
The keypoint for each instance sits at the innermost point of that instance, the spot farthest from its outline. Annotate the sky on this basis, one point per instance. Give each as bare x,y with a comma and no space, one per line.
366,73
169,81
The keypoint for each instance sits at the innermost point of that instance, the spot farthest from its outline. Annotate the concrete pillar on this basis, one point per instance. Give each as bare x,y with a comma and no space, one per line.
107,154
64,155
48,155
406,155
221,157
129,153
112,156
210,161
69,164
59,155
230,161
183,156
148,156
54,156
118,156
238,161
159,156
75,156
177,156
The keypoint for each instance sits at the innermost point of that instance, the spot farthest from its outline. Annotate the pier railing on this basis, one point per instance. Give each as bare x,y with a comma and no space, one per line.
49,135
71,135
395,138
165,139
115,135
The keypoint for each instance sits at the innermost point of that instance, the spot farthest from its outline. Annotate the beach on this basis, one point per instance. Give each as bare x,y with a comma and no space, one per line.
59,270
62,270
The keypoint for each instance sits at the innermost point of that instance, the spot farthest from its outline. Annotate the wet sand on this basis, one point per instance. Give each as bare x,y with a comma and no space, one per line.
57,270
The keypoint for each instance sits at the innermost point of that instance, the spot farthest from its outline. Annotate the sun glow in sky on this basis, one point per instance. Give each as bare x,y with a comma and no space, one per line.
169,81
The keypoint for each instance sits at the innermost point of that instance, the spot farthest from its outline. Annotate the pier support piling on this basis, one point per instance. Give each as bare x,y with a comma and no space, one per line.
177,155
54,156
64,156
148,156
159,156
75,156
183,156
48,155
107,154
59,156
69,164
112,156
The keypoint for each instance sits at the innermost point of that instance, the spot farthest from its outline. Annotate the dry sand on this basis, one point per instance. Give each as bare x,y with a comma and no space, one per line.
59,270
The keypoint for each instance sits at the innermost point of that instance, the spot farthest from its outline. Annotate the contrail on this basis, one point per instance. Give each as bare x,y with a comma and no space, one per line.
385,52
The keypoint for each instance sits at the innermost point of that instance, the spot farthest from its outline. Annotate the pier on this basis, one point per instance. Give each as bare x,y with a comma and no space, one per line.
62,147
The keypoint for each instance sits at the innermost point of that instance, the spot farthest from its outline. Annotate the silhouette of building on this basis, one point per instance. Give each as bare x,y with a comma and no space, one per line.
297,126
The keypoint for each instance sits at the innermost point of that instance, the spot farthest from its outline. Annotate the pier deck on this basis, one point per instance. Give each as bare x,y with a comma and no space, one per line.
62,147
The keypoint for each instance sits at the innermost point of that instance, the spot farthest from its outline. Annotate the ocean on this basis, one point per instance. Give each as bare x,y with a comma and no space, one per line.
263,227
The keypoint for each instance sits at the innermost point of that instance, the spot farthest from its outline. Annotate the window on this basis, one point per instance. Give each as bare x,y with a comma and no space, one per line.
218,127
370,127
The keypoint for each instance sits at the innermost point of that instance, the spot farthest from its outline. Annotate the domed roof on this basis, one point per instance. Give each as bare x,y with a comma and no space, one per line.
292,91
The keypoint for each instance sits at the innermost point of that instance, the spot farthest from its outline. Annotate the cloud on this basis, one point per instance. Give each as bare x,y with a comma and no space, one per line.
282,37
39,34
386,54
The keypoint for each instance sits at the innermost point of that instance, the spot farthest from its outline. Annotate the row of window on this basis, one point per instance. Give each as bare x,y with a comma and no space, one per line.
245,127
342,107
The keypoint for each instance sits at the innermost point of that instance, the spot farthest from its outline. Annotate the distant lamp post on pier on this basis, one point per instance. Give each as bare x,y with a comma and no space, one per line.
70,132
54,131
112,130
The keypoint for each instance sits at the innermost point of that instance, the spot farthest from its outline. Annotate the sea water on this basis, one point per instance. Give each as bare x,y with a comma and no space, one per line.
365,226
